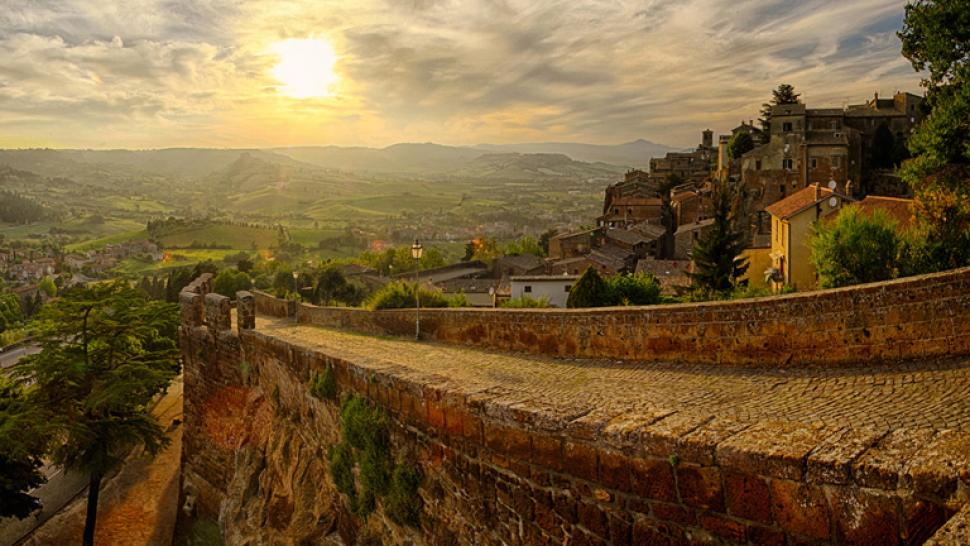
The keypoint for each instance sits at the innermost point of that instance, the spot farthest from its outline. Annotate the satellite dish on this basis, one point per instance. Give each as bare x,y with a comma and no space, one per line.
491,291
832,185
834,202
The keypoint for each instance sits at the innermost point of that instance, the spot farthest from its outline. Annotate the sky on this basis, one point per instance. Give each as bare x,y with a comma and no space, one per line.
266,73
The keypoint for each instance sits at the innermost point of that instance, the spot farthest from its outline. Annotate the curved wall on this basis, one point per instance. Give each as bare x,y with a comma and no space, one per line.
925,317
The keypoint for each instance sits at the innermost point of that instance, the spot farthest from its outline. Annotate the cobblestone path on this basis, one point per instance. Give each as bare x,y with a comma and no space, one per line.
923,395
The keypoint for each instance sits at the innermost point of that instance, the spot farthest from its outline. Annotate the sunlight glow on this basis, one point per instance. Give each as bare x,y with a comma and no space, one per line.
306,67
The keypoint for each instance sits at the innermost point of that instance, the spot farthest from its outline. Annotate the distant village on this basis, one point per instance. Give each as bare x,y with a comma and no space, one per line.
807,165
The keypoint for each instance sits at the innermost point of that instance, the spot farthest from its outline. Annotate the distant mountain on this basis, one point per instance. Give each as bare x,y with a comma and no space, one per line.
248,173
401,158
532,166
634,154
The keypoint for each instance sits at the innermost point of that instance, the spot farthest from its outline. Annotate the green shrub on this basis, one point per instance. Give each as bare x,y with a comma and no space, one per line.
638,289
400,295
206,533
403,505
459,300
230,281
324,386
525,302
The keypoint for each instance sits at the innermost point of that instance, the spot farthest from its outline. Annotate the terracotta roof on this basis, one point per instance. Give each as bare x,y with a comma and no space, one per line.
636,201
797,202
894,207
669,273
651,231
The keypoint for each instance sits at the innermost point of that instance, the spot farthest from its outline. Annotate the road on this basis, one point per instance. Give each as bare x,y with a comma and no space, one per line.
12,356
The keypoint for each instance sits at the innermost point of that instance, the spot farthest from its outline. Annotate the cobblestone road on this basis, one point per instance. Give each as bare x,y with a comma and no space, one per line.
924,395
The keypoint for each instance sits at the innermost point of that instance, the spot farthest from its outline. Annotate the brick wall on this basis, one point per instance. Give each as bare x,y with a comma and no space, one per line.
924,317
500,471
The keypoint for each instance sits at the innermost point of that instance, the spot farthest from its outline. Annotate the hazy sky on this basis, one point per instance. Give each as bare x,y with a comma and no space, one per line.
233,73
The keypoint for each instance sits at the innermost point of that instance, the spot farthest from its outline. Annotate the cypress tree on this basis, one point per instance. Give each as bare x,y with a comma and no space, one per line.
589,291
717,255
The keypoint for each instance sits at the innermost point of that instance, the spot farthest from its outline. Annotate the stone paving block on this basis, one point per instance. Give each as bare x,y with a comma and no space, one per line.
589,426
831,462
622,431
940,465
777,450
880,466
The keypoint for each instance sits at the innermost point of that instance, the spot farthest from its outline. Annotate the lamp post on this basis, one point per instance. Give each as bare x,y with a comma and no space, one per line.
296,289
416,251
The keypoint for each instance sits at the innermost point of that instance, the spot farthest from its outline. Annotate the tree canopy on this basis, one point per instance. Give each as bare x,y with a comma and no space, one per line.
856,248
106,352
785,94
739,145
936,38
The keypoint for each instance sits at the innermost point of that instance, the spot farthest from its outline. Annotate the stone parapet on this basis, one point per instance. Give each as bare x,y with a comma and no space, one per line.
246,310
500,469
191,309
926,317
218,312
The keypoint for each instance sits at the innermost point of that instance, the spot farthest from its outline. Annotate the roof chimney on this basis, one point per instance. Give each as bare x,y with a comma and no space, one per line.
818,191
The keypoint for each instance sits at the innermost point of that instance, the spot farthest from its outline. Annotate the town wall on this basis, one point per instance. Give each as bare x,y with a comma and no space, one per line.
497,470
925,317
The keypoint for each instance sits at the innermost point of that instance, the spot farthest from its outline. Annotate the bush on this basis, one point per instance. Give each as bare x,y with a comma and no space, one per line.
324,386
856,248
231,281
525,302
638,289
400,295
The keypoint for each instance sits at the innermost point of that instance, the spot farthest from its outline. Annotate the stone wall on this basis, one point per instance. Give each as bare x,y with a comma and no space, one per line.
498,470
926,317
270,306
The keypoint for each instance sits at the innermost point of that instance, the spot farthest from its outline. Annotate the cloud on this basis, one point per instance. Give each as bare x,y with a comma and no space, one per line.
197,72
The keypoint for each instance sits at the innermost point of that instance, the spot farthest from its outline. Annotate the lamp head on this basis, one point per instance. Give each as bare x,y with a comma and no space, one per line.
417,250
296,275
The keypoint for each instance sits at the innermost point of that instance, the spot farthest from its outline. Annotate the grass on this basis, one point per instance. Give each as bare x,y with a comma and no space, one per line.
238,237
310,237
22,232
132,266
98,244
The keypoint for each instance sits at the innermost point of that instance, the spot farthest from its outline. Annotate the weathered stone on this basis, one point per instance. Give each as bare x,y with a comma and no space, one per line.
700,445
614,470
778,450
218,313
580,461
622,431
748,497
879,467
547,452
922,519
862,519
245,310
644,535
762,536
831,462
653,479
191,308
936,469
595,519
801,508
724,527
660,438
674,513
956,532
700,487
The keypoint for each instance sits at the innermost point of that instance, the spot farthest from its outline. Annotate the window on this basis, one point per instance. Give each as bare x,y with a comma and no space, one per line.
781,189
569,287
836,162
786,127
527,289
757,165
814,162
835,125
786,164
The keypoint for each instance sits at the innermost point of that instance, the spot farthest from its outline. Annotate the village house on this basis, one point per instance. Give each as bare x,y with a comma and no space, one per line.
555,288
74,261
791,228
574,244
478,292
694,165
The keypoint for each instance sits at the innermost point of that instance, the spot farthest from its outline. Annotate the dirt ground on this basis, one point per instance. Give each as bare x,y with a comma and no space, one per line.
138,506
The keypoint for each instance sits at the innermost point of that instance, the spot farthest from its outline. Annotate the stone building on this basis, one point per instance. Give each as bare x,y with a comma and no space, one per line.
694,165
827,146
574,244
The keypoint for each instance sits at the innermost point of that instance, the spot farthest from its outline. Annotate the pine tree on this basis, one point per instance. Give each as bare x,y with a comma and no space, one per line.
106,352
717,255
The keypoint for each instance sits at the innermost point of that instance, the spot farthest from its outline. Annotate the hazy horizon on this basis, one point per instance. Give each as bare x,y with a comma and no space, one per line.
156,74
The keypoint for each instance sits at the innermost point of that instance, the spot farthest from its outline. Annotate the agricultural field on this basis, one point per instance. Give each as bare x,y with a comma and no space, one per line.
238,237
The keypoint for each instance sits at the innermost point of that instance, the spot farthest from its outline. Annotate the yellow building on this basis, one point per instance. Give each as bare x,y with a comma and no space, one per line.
791,228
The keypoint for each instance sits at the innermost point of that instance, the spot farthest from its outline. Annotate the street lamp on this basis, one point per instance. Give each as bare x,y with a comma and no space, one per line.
416,251
296,289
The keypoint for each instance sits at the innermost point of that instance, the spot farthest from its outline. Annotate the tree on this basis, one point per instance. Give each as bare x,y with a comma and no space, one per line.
231,281
47,286
589,291
717,255
785,94
20,447
856,248
544,240
739,145
936,38
103,358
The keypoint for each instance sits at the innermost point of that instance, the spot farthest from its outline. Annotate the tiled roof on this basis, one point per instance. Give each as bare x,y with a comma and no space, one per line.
624,236
469,286
695,225
669,273
681,197
797,202
896,208
523,261
519,278
636,201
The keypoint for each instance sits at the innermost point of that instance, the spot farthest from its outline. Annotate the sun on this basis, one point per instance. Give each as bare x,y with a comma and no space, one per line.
306,67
